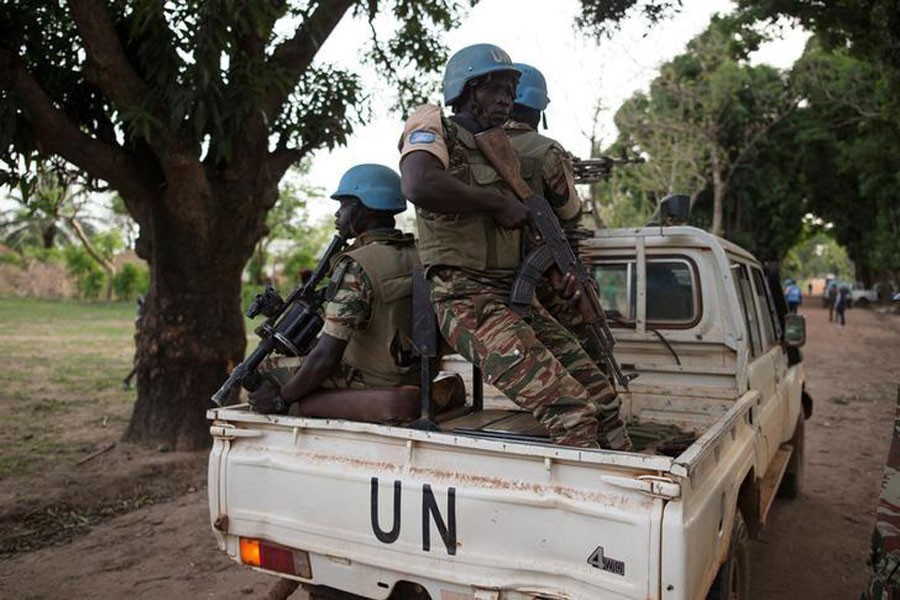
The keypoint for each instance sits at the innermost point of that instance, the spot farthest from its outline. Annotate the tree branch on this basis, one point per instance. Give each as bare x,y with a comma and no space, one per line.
281,160
295,55
56,133
108,67
253,139
104,263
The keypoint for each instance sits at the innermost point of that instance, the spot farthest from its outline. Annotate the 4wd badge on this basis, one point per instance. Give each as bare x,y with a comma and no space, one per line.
598,561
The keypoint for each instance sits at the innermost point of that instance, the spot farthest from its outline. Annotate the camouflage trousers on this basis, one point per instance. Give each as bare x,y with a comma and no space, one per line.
571,319
536,362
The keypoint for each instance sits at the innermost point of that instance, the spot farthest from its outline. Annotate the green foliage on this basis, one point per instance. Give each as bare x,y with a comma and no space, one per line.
848,151
817,255
84,270
213,66
131,281
712,124
10,258
602,17
868,30
293,241
108,243
92,284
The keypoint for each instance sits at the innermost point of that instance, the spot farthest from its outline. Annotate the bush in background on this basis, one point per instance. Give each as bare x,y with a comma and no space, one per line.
131,281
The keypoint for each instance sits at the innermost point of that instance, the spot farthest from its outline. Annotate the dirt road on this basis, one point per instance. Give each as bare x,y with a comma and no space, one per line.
814,547
817,546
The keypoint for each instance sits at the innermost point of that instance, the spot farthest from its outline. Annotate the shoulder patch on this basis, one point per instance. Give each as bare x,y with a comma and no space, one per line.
421,137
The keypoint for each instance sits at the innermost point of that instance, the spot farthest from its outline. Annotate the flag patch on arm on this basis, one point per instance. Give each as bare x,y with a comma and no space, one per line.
421,137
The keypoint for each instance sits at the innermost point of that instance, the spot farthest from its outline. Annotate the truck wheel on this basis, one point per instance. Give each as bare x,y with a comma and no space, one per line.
862,302
732,582
792,482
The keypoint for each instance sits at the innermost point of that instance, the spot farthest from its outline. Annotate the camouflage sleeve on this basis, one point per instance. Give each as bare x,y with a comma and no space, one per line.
350,306
559,184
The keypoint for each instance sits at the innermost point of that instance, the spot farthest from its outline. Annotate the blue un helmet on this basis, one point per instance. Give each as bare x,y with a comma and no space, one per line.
532,90
376,186
471,62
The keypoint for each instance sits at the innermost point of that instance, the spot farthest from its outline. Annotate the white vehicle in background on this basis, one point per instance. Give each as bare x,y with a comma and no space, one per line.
487,508
860,296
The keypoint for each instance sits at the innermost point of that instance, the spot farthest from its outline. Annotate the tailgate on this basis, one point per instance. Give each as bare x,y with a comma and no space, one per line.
375,505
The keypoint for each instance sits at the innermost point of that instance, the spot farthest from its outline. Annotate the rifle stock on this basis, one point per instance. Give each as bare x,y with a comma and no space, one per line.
551,248
291,329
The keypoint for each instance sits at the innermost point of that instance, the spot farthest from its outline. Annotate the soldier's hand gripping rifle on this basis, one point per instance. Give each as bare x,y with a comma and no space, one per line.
290,329
550,248
592,170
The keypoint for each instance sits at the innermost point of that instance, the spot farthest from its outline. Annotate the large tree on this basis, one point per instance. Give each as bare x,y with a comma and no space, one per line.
192,111
706,115
849,142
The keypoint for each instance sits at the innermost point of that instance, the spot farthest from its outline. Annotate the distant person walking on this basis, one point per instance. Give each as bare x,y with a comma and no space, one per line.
840,304
831,294
792,295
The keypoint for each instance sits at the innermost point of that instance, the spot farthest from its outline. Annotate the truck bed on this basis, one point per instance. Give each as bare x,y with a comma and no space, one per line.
650,438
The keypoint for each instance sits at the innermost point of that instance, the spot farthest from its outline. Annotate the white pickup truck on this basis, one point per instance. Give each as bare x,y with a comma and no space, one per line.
487,508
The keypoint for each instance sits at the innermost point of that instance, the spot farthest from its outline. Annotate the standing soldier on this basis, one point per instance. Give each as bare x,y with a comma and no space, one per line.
470,241
366,338
547,167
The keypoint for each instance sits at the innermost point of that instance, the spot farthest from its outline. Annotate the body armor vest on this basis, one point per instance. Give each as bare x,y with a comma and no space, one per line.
382,351
469,240
531,148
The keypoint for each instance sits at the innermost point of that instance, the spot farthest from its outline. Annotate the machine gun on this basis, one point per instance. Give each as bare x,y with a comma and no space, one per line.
592,170
290,329
550,248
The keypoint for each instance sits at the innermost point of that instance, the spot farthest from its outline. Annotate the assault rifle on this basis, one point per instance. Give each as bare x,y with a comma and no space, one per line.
290,329
592,170
550,248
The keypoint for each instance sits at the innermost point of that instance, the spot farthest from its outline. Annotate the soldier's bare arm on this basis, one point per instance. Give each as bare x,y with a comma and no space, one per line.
428,185
318,366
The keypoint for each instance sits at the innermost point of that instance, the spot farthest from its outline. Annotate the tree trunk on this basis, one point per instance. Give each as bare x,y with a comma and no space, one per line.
718,221
191,331
48,236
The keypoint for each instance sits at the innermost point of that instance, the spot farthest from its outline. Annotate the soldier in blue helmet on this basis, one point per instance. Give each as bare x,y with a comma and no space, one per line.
365,341
470,241
547,167
545,164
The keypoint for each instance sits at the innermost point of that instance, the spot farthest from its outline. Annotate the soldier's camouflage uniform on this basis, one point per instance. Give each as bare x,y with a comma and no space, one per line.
884,581
470,264
547,168
348,316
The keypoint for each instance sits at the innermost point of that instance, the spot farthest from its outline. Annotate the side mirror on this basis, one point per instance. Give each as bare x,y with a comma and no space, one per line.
794,330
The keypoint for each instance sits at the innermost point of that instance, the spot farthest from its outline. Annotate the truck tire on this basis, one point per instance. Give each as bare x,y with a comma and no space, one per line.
732,582
792,482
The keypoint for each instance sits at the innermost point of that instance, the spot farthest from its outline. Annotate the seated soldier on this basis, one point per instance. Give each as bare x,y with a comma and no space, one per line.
365,342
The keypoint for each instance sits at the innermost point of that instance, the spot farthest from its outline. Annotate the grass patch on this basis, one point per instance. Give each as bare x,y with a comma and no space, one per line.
14,465
64,363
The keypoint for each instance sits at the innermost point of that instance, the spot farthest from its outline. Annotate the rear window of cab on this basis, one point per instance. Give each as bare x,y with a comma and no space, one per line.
672,291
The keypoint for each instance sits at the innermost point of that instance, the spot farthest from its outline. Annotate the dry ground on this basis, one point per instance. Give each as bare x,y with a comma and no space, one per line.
83,515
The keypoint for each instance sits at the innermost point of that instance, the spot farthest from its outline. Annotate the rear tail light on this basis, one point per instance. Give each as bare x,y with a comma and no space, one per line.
266,555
